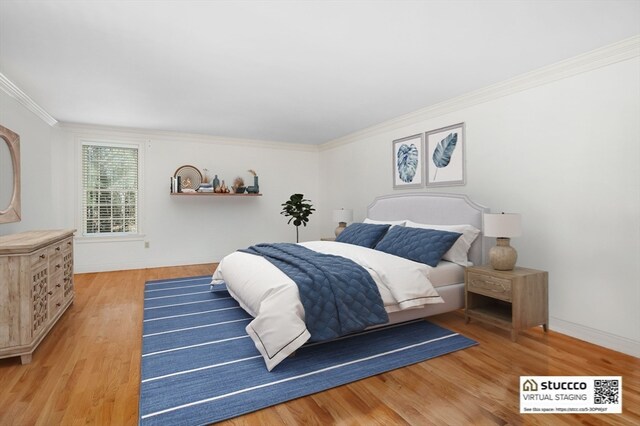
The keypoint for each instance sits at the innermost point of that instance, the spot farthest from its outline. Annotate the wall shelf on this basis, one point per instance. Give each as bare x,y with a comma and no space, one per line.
215,194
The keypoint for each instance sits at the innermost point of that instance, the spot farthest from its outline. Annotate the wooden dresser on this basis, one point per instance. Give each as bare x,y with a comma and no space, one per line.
36,287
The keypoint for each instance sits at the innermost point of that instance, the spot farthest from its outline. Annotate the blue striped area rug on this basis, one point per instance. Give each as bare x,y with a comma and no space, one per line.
199,366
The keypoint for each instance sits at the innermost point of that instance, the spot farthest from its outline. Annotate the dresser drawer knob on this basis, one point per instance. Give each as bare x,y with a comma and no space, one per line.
58,304
57,248
49,293
42,256
58,285
58,266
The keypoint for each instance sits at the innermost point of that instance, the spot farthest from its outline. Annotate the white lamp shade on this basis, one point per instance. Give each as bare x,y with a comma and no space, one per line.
343,215
502,225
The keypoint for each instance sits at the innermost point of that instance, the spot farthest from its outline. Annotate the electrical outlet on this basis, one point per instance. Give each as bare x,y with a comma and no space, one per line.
146,244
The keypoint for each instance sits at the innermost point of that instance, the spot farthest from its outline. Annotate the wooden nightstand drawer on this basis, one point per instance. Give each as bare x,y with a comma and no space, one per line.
498,288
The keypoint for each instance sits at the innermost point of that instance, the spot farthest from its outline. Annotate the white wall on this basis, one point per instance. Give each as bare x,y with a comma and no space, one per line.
35,151
566,155
188,230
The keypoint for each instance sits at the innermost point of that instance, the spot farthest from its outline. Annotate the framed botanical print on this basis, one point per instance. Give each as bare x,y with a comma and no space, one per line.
407,162
445,156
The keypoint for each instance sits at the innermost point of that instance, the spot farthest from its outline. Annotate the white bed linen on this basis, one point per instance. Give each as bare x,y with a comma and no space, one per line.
446,273
272,298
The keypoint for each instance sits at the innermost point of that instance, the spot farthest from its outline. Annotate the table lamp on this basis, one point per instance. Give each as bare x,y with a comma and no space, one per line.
342,216
502,226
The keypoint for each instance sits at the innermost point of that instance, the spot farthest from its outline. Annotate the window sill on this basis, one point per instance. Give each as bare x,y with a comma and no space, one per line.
84,239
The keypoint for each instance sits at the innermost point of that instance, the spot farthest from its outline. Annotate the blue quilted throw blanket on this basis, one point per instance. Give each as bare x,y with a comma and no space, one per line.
338,295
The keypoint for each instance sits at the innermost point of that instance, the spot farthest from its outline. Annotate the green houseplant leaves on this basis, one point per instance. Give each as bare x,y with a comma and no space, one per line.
298,210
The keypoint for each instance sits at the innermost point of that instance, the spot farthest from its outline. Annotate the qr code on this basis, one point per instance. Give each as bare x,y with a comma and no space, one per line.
606,391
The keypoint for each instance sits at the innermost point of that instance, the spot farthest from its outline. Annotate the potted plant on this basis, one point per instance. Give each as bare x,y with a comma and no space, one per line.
299,211
238,185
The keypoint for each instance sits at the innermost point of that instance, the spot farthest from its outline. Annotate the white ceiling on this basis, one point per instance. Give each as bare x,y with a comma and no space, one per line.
291,71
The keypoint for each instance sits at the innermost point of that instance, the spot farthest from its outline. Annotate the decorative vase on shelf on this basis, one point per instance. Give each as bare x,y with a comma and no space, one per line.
254,189
215,181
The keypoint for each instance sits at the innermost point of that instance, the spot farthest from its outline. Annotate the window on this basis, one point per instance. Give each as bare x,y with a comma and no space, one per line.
110,189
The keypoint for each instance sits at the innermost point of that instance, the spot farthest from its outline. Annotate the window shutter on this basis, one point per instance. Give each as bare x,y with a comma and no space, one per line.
110,189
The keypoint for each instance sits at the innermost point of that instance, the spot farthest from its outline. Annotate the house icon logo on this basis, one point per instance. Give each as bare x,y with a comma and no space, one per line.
530,385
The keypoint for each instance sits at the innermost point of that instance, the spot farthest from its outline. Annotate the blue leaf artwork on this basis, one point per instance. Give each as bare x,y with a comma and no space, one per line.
407,162
444,150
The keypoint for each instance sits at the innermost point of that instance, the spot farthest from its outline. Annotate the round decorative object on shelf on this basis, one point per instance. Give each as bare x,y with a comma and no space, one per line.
190,177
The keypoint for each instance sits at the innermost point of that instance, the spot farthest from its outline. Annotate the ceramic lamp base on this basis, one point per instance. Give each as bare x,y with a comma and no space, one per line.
503,257
340,228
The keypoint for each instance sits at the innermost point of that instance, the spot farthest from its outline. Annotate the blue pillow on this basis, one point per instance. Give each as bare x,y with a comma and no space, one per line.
417,244
363,234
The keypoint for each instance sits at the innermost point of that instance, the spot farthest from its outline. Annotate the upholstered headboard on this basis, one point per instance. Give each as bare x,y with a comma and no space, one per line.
435,209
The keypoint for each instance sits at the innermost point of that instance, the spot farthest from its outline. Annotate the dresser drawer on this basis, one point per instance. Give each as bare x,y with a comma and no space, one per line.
489,286
56,282
41,256
55,304
56,264
57,248
67,245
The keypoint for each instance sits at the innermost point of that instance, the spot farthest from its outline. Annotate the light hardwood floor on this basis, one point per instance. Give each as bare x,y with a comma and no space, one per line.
87,371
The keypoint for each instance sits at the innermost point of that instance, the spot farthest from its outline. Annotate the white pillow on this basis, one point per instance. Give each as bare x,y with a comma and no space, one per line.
458,253
385,222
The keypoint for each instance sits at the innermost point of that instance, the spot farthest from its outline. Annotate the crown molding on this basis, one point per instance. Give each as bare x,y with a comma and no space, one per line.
15,92
617,52
94,130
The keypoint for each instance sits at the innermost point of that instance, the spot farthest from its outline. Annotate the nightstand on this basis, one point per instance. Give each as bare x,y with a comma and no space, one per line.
328,239
511,300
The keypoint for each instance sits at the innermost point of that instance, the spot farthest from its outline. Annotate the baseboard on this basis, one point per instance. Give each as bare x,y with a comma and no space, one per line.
125,266
598,337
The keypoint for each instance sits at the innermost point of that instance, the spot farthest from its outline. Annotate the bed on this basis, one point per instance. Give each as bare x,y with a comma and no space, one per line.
409,289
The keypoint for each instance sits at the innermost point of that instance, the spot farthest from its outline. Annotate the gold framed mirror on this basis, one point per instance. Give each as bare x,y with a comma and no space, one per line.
9,176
